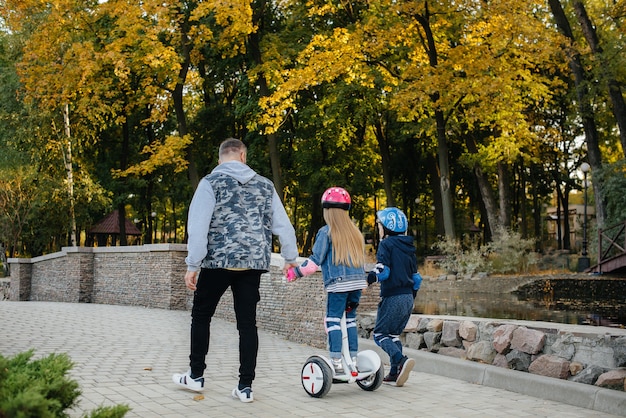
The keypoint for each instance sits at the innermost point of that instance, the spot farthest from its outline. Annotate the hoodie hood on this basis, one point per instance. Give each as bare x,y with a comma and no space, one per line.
402,243
236,169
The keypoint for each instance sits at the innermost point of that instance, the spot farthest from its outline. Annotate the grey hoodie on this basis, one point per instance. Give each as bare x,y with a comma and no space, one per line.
232,217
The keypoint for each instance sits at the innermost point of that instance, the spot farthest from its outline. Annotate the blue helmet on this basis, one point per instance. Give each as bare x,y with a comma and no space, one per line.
393,219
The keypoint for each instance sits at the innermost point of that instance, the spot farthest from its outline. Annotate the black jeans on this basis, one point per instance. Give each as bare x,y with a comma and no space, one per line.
212,283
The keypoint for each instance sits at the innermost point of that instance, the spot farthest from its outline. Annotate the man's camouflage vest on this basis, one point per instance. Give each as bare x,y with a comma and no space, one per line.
240,234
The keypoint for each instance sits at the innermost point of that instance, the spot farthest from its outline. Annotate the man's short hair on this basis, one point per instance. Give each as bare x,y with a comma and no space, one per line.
231,145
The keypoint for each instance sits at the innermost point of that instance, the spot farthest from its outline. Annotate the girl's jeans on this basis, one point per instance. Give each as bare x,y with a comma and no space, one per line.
336,304
212,283
393,314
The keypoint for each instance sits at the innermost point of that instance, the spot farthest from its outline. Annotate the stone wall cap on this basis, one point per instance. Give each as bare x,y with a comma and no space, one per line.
278,261
146,248
547,327
69,250
275,261
37,259
19,260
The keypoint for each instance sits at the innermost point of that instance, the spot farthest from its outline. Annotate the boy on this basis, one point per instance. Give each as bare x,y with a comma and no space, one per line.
396,270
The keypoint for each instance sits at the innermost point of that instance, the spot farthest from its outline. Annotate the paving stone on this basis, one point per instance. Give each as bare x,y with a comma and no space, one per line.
111,346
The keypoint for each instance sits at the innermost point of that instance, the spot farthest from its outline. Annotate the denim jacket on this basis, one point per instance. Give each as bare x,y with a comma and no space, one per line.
323,257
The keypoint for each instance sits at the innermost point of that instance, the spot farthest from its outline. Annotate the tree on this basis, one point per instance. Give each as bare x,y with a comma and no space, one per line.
607,65
442,67
584,103
455,105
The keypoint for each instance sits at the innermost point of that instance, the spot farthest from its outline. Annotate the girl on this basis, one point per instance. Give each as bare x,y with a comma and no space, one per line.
339,251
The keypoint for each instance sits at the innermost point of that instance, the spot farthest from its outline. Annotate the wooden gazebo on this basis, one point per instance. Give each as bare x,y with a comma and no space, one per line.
107,231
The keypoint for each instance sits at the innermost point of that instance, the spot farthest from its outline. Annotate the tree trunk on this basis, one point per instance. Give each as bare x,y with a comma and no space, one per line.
504,194
254,49
486,192
537,211
437,215
559,230
383,145
316,222
523,201
148,219
563,218
567,241
585,109
444,170
121,222
121,207
615,91
447,205
272,142
67,159
177,97
489,201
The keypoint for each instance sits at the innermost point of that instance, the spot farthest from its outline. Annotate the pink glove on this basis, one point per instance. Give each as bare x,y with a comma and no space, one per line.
291,274
306,268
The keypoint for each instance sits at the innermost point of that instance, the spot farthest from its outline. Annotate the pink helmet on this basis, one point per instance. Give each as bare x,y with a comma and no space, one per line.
336,197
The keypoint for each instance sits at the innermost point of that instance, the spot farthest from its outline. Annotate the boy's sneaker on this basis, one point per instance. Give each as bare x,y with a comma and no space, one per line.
390,379
244,395
185,380
405,367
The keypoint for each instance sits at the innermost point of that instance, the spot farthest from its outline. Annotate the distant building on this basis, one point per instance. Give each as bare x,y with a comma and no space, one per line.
107,232
576,224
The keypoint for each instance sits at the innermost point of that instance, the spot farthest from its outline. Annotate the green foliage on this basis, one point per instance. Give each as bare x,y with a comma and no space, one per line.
510,253
507,253
40,388
116,411
351,91
36,388
464,258
613,179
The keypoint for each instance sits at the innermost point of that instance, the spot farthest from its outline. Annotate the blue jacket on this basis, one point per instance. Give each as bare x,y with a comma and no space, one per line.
323,257
397,253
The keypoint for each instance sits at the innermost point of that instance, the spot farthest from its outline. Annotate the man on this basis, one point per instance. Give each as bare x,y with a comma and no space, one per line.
232,217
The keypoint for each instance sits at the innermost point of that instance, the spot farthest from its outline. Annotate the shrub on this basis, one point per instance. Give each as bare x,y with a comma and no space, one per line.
507,253
40,388
461,258
510,253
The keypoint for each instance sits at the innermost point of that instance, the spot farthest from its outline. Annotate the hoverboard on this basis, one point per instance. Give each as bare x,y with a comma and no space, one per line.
318,374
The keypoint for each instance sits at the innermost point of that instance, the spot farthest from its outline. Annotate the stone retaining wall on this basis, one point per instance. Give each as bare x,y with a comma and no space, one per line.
152,276
148,275
583,354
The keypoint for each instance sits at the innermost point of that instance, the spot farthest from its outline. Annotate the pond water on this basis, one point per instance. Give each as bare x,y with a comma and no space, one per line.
567,301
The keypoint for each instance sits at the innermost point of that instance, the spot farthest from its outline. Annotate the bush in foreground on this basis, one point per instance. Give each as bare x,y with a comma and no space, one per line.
40,388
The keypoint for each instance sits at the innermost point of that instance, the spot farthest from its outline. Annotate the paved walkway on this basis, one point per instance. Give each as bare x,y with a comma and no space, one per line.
126,354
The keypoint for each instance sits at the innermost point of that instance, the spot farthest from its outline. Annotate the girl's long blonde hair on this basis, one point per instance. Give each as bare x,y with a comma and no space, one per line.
348,242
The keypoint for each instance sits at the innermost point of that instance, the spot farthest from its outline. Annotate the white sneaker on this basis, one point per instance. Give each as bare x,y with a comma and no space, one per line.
338,366
185,380
244,395
354,359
